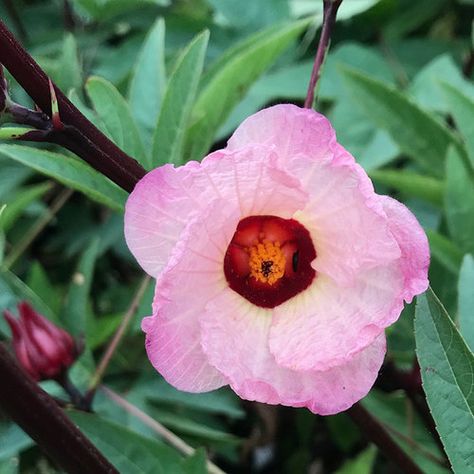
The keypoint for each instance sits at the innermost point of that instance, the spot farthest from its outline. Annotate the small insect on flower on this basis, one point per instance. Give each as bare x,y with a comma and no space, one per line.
278,267
44,350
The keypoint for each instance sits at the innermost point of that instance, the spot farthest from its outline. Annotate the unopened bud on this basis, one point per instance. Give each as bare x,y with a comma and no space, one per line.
44,350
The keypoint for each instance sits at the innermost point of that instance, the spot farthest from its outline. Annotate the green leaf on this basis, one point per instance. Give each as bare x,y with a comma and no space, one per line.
75,313
9,466
459,201
447,369
174,116
196,464
462,108
411,184
12,440
406,428
129,452
69,74
69,171
230,81
2,235
117,118
38,281
466,300
417,133
21,200
445,251
148,81
427,86
13,290
362,464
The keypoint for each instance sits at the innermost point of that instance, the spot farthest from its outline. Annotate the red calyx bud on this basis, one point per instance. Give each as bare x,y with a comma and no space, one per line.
44,350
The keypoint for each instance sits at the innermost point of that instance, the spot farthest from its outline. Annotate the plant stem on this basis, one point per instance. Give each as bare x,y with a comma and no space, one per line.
37,228
330,8
38,415
377,434
118,336
158,428
79,135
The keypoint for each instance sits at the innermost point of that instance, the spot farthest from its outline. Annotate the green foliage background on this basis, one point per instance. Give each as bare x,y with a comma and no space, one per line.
169,80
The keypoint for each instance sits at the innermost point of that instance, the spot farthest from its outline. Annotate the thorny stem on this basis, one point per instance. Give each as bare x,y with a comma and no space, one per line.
78,135
112,347
330,8
38,415
37,227
376,433
158,428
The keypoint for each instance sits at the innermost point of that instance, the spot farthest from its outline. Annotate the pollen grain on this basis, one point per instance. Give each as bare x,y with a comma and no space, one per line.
267,262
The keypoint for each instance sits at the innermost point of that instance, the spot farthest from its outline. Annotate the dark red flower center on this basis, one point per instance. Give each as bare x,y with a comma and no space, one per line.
268,260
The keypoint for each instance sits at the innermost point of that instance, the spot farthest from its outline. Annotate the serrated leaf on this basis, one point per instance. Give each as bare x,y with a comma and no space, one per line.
411,184
230,81
459,201
168,138
462,108
147,85
466,300
69,171
128,451
447,370
116,116
417,133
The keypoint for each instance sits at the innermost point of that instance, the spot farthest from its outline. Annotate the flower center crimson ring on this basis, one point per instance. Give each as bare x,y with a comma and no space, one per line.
268,260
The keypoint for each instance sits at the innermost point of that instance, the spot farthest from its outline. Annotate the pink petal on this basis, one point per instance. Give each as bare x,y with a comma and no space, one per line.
290,129
345,218
173,334
328,324
167,198
235,338
413,243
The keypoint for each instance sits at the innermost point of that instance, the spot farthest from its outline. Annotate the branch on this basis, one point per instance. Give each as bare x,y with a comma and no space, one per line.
79,135
377,434
38,415
329,18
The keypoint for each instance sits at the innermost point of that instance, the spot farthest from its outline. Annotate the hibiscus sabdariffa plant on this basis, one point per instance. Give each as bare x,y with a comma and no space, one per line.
278,267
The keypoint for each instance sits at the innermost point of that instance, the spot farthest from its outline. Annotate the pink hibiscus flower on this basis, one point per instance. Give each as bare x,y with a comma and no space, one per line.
278,267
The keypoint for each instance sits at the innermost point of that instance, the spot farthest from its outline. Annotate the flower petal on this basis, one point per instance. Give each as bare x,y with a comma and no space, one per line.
328,324
413,243
167,198
196,274
235,338
290,129
345,218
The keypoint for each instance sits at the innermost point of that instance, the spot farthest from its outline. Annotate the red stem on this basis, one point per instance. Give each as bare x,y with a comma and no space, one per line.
329,18
376,433
80,135
38,415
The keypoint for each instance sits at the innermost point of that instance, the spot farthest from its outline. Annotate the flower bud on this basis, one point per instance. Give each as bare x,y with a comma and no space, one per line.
44,350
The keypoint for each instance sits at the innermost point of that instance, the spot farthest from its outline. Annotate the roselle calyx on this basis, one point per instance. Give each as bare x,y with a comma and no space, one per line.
44,350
